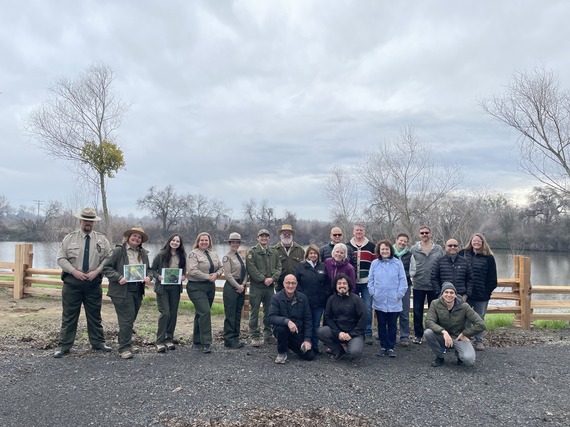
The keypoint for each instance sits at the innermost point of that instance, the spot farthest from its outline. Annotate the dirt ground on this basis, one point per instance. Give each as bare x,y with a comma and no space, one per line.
34,322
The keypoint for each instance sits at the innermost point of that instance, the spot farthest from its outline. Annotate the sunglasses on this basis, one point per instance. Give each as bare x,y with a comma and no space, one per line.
337,235
425,232
452,246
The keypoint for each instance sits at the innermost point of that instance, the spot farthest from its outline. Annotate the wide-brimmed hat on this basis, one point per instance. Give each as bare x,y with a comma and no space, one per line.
87,214
137,230
234,237
286,227
263,231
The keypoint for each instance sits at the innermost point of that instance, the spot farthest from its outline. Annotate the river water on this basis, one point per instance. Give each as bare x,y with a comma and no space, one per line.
547,268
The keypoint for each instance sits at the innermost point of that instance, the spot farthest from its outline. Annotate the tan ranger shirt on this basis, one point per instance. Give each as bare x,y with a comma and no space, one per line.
70,254
199,267
232,268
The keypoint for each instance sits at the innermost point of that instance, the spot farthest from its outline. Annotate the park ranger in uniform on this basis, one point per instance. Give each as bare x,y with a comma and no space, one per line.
81,257
234,292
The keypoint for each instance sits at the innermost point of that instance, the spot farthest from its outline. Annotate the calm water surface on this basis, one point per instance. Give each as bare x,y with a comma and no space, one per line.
549,269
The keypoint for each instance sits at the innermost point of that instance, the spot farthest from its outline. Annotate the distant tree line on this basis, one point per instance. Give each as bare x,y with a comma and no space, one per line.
542,224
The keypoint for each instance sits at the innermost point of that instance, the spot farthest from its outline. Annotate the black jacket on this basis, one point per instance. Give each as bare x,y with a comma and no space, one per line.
484,275
346,314
314,282
406,259
297,310
458,272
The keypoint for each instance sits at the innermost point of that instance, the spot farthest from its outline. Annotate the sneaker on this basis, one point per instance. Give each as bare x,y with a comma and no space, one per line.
390,353
256,342
417,340
381,353
160,348
437,362
404,342
369,340
281,358
479,346
126,355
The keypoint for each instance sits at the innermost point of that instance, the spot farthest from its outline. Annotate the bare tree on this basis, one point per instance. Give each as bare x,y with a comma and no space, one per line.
404,180
39,227
78,122
166,206
534,105
5,207
341,190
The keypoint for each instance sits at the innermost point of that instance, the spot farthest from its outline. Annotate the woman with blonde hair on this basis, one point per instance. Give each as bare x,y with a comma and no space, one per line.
479,255
204,267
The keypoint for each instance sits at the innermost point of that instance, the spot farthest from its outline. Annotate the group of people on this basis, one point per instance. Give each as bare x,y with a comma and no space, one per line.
325,294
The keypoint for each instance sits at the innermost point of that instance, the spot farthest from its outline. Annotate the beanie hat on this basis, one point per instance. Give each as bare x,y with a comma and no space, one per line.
447,285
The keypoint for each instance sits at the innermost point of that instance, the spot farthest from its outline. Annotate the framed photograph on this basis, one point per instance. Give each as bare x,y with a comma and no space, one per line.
171,276
134,272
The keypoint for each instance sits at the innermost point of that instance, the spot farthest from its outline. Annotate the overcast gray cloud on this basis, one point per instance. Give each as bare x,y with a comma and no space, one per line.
258,99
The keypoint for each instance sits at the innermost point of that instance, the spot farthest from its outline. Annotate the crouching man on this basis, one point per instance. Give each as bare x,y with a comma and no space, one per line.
290,317
446,321
345,321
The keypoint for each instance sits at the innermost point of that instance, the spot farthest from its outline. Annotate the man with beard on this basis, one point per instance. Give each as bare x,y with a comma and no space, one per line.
345,320
290,253
81,257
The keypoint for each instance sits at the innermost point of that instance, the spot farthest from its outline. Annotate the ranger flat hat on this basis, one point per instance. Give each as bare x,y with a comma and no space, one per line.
263,231
137,230
286,227
234,237
87,214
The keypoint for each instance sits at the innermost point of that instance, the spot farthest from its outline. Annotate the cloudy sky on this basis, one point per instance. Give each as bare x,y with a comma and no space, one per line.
242,99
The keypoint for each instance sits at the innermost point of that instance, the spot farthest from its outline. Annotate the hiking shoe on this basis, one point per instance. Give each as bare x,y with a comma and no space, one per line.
206,348
135,349
256,342
126,355
404,342
160,348
170,346
437,362
369,340
417,340
478,346
381,352
390,353
281,358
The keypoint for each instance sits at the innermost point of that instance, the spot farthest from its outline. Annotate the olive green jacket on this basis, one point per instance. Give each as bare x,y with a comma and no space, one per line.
440,318
262,264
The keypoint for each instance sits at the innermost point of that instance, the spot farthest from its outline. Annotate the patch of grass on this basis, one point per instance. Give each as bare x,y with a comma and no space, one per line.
494,321
553,325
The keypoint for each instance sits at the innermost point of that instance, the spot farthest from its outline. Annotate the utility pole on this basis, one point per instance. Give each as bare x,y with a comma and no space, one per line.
39,202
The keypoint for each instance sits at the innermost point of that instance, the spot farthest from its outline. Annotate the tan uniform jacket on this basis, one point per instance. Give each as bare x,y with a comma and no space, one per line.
199,266
232,268
70,254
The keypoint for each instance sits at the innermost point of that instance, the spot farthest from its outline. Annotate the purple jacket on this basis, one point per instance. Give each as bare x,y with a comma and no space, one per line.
334,268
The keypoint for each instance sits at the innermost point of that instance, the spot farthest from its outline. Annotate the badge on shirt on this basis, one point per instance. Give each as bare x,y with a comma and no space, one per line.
226,259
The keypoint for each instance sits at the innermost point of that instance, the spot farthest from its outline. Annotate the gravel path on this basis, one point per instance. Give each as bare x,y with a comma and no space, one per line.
517,386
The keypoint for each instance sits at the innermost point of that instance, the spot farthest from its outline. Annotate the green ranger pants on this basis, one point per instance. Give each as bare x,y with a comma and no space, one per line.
167,301
202,296
127,309
233,304
260,295
72,296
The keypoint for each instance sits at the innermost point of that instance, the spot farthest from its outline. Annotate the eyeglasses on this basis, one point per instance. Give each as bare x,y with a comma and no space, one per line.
452,246
425,232
337,235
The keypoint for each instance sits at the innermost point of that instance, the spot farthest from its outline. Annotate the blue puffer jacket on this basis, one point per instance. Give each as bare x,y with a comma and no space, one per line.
387,284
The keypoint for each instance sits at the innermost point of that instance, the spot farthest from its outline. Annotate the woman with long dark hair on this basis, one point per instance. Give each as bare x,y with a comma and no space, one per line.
172,255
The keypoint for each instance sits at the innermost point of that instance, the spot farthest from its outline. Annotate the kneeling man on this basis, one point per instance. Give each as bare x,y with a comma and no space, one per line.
290,317
345,321
446,322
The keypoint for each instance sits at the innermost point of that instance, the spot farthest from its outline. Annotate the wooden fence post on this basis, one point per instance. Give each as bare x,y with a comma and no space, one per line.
23,259
525,292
